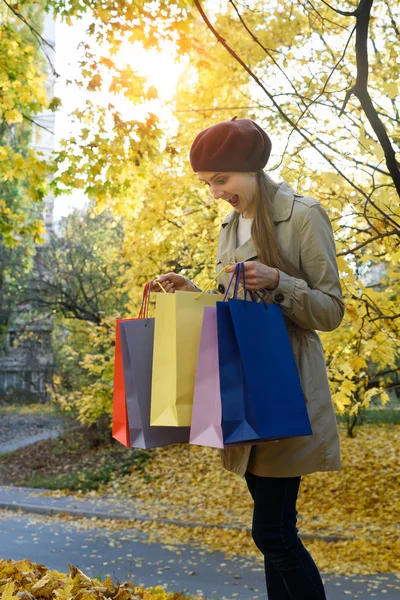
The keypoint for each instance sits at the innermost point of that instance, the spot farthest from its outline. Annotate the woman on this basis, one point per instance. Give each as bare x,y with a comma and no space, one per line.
286,242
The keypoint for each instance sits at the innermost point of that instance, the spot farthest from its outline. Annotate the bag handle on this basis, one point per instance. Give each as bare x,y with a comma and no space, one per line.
144,307
143,302
244,286
245,289
239,270
236,273
211,282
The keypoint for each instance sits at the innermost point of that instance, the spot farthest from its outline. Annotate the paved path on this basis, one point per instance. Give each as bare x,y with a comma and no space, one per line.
127,555
32,500
31,428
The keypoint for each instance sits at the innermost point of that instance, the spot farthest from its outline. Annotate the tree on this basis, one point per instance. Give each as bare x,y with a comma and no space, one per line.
78,272
23,172
78,281
360,193
321,78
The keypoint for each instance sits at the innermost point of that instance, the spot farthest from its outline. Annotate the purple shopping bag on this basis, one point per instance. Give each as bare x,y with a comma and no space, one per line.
206,428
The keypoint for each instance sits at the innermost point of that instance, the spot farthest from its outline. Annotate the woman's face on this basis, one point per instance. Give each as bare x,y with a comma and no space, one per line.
238,189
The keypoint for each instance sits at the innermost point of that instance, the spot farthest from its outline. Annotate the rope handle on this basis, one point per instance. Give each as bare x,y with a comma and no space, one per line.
144,306
214,278
233,278
143,302
239,272
209,284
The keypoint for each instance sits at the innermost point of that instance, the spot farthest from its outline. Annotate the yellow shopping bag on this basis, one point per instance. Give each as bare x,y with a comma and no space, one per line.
178,320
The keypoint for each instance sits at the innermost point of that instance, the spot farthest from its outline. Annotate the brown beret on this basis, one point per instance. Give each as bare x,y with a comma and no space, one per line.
236,145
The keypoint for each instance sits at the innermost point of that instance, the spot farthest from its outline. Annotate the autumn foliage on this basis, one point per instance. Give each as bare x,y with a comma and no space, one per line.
305,72
24,580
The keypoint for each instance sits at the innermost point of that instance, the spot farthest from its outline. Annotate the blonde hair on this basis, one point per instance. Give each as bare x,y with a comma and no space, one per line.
263,229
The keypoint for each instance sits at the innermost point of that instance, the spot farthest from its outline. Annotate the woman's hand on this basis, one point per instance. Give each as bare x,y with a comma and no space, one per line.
258,276
171,283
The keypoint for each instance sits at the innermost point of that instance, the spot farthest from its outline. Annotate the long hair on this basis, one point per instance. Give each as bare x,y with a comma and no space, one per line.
263,229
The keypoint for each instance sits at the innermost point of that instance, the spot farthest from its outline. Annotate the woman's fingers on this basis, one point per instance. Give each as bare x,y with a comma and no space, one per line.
169,281
167,286
155,287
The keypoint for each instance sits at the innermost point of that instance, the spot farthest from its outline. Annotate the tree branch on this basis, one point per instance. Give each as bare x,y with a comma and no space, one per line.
284,116
41,41
191,110
266,50
37,124
344,13
360,89
323,19
373,239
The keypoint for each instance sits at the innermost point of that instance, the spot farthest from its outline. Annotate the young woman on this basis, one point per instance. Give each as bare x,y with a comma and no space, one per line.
286,242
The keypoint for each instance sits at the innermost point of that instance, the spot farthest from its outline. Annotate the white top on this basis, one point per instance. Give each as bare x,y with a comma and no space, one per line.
244,230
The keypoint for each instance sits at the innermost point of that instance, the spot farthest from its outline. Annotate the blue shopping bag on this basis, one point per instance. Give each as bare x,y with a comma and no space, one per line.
261,392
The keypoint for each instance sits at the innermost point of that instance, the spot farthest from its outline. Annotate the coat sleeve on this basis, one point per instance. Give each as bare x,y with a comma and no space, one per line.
317,302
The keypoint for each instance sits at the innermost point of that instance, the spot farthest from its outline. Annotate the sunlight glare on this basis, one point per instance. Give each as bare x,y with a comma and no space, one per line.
162,70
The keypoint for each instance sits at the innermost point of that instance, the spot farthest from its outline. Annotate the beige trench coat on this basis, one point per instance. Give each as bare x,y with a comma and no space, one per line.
306,239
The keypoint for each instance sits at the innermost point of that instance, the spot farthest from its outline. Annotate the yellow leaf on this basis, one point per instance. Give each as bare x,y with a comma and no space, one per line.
95,82
358,363
341,401
391,88
13,116
369,394
8,593
4,152
363,140
352,311
343,265
354,409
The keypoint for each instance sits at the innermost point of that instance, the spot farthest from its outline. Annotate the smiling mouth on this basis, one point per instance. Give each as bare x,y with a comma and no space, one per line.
234,200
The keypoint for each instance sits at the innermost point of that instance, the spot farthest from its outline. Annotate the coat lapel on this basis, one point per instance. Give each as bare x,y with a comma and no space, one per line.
245,252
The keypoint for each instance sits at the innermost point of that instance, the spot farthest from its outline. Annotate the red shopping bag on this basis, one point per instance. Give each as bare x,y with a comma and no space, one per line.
120,424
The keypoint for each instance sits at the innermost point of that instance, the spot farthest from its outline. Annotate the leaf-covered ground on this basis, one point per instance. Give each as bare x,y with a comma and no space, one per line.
361,502
24,580
69,462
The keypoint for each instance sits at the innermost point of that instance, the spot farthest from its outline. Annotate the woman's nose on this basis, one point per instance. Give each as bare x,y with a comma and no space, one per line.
217,194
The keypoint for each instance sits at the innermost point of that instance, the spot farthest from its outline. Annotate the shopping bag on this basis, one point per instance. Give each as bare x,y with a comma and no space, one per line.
136,340
206,426
261,392
120,427
178,320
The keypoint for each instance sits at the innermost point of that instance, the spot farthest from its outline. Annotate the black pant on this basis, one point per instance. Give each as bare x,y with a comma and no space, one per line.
290,572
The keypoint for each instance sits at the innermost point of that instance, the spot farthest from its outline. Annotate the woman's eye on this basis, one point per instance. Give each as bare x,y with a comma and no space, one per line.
220,181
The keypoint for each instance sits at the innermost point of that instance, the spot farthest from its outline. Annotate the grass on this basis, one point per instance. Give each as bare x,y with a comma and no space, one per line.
91,479
375,416
39,409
